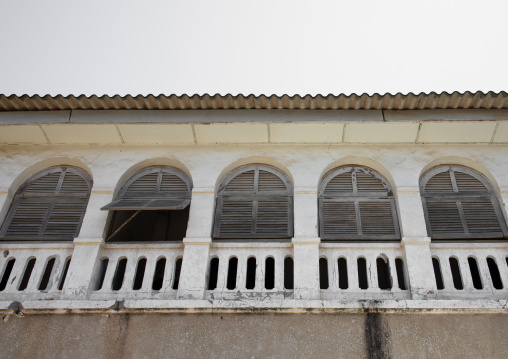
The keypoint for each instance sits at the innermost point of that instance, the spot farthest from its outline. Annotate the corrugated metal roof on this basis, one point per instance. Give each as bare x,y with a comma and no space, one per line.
444,100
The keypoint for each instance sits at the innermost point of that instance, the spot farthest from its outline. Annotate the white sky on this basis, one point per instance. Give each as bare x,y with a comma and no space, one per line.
261,47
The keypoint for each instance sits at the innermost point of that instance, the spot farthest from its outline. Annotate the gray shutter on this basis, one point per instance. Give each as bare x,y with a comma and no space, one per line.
440,183
466,182
272,218
368,183
460,204
156,188
339,219
340,183
172,183
74,183
143,184
376,218
268,181
254,202
444,217
244,182
236,219
45,184
65,219
481,217
356,203
27,219
50,206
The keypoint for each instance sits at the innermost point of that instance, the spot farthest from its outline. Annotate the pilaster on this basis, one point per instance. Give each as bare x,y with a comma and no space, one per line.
306,245
416,244
83,268
197,245
422,282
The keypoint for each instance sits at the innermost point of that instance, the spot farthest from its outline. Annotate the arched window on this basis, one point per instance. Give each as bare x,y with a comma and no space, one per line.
153,205
254,201
49,206
460,203
357,203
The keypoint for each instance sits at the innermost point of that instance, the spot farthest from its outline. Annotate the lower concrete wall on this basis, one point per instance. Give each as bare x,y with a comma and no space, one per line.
255,335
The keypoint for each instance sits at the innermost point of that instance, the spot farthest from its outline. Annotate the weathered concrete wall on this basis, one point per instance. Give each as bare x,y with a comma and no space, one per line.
255,335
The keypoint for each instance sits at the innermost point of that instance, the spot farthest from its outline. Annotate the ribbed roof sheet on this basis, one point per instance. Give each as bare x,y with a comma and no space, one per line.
411,101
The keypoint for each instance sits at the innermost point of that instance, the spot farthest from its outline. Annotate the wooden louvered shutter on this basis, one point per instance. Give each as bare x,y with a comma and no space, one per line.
357,203
254,202
460,204
50,206
154,189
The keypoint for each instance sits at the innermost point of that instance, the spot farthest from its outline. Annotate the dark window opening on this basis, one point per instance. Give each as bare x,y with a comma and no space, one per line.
269,273
26,276
64,274
233,265
158,276
383,274
399,267
289,273
343,279
149,226
475,273
178,269
214,273
7,274
362,273
140,274
323,273
47,274
119,274
251,273
103,269
494,273
455,268
437,273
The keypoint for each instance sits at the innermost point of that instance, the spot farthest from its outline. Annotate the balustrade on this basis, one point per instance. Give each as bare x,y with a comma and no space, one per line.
470,270
255,270
363,271
138,271
250,271
33,270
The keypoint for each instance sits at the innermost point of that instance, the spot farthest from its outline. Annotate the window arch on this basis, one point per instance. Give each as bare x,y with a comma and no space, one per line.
254,201
460,203
356,203
49,206
152,205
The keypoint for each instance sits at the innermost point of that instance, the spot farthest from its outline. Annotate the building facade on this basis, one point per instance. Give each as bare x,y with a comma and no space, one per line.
362,226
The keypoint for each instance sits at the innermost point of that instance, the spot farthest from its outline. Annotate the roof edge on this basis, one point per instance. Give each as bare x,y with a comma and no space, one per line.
398,101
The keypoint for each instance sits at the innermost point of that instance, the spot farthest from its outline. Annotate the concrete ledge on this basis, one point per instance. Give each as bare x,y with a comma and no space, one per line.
246,306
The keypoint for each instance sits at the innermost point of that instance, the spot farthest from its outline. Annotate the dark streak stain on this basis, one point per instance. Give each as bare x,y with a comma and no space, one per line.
123,323
377,337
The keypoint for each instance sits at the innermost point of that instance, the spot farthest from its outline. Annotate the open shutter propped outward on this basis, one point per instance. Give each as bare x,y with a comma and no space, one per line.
356,203
254,202
50,206
460,204
154,189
